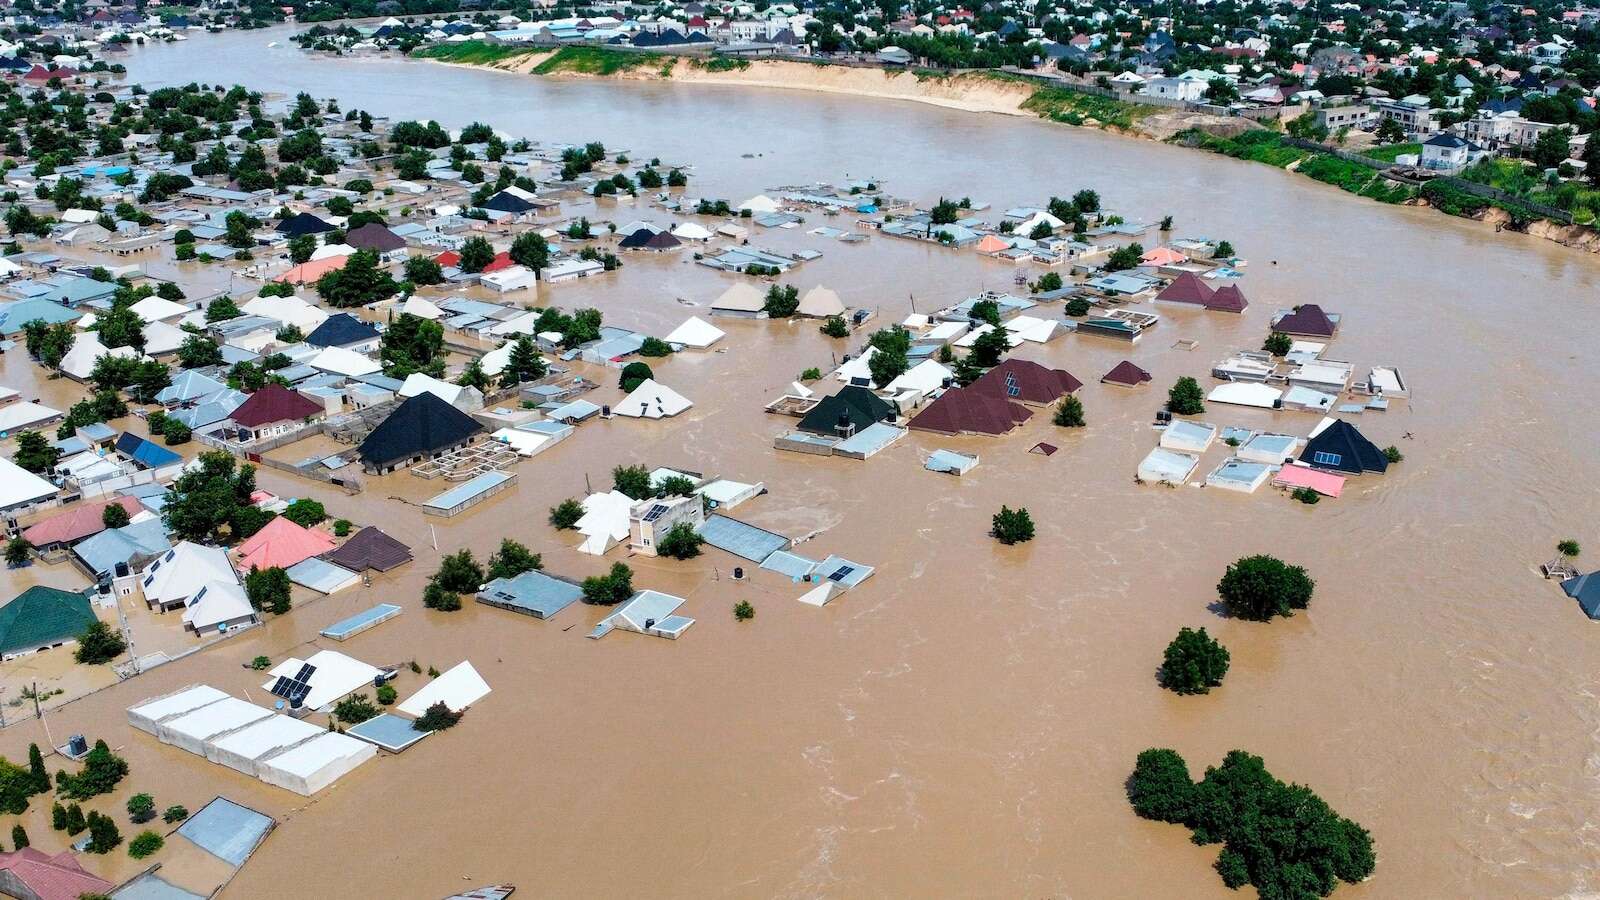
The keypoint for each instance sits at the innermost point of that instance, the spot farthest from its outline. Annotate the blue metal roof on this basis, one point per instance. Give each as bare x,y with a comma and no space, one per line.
145,453
226,830
391,732
741,538
465,491
533,593
361,621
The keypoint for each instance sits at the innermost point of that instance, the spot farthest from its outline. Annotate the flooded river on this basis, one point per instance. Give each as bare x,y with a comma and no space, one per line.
962,724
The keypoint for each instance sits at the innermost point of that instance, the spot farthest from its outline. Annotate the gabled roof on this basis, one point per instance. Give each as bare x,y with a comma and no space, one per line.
422,424
49,877
964,411
341,330
1340,447
373,236
854,404
43,615
1125,373
303,223
281,543
78,522
274,403
146,453
370,548
1025,381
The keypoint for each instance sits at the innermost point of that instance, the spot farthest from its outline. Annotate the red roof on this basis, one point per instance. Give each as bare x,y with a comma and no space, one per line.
274,403
1228,298
49,877
502,260
1026,381
1308,320
282,543
1127,374
965,411
448,258
1186,288
77,523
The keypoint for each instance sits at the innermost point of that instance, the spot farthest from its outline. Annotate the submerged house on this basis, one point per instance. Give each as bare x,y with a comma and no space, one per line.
42,618
1340,447
1307,320
422,427
271,412
966,411
851,410
1026,382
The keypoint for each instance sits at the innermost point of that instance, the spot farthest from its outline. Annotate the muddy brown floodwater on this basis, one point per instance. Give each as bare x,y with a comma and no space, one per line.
962,724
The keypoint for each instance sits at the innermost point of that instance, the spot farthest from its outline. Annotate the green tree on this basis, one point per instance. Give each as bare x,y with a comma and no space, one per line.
198,351
75,820
99,644
17,552
144,844
1277,343
437,717
473,376
611,588
512,559
205,499
566,514
1049,281
782,301
476,253
1550,147
1194,663
268,589
1224,250
1390,132
422,270
301,248
35,453
412,344
680,542
101,772
359,282
990,347
525,364
635,374
460,573
1012,526
655,348
141,808
1127,257
1591,160
355,709
1069,412
175,813
1568,548
743,611
1262,587
634,481
1185,398
19,837
305,512
58,817
104,835
114,516
1160,787
36,770
835,327
530,249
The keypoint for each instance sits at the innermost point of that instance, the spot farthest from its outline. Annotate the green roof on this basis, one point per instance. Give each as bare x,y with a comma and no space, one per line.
40,616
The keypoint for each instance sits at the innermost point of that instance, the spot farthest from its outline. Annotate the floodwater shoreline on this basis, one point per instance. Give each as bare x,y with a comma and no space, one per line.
972,92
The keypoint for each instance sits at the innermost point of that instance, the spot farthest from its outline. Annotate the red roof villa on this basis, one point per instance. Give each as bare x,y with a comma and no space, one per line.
967,411
35,875
1126,374
1026,382
1188,288
272,412
1308,320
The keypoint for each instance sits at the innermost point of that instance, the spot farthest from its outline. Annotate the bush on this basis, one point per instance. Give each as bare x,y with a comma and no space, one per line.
99,644
1069,412
1077,307
655,347
1282,838
175,813
835,327
1260,588
1186,398
101,772
1306,495
680,542
1393,454
1012,526
743,611
437,717
354,709
1194,663
387,695
141,808
146,843
434,596
566,513
811,374
1568,548
1277,343
633,375
305,512
341,527
609,589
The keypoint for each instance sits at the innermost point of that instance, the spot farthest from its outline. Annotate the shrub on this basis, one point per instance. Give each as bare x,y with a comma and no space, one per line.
1306,495
743,611
1262,587
305,512
354,709
680,542
633,375
437,717
1277,343
1069,412
655,347
387,695
1160,787
1012,526
175,813
99,644
1568,548
1077,307
141,808
611,588
1393,454
434,596
1186,398
1194,663
566,513
835,327
341,527
144,844
811,374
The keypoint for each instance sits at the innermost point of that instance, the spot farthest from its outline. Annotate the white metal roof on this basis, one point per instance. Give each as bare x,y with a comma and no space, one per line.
335,676
458,689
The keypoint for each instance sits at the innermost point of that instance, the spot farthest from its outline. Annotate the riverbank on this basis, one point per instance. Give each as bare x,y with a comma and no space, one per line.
1014,95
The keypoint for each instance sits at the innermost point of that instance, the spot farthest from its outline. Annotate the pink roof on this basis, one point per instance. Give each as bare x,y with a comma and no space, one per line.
1163,256
77,523
49,877
281,543
307,272
992,244
1325,483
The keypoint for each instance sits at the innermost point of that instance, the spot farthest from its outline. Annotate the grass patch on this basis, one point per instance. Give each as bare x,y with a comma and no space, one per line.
1256,145
722,64
595,61
475,53
1076,107
1388,152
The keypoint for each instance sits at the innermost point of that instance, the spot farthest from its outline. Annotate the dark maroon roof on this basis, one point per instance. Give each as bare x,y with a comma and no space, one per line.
373,236
370,548
1308,320
1186,288
274,403
1228,298
965,411
1127,374
1026,381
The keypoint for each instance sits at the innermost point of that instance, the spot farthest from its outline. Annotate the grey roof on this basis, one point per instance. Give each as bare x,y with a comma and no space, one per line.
789,564
226,830
388,731
741,538
100,553
319,575
841,570
532,593
151,886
